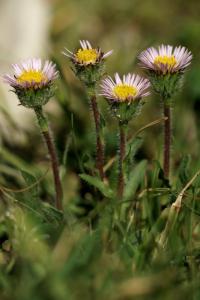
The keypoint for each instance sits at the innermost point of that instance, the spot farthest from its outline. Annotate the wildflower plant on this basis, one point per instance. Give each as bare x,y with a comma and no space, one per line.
88,64
165,67
152,229
125,97
33,83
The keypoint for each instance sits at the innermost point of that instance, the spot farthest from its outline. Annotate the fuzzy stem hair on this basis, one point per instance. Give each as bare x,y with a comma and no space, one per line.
44,127
167,140
122,153
99,143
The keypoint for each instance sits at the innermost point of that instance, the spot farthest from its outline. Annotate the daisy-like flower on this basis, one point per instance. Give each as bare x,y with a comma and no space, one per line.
127,89
86,54
124,95
33,81
165,59
89,66
30,74
165,67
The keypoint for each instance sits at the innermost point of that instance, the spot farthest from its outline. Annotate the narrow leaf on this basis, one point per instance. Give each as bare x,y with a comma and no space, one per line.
135,179
97,183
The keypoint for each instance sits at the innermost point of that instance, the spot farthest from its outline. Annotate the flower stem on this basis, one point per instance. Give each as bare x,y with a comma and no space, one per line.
44,127
122,152
99,143
167,140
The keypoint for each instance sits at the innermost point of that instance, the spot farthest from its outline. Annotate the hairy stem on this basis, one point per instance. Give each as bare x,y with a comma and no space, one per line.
43,123
167,140
122,152
99,143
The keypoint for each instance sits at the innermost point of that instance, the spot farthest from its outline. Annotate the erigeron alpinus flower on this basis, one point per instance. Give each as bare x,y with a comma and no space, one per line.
165,59
31,74
86,54
32,82
127,89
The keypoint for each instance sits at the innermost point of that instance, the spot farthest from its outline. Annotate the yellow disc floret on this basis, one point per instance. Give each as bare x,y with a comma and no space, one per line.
87,56
32,76
124,92
165,60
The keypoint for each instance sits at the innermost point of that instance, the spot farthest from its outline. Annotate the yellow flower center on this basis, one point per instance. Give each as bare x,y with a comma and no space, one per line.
124,91
87,56
30,76
165,60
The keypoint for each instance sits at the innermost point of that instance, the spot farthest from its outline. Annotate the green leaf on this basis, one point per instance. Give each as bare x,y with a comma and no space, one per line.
30,180
86,252
15,160
102,121
135,179
97,183
158,177
66,150
183,169
132,148
51,214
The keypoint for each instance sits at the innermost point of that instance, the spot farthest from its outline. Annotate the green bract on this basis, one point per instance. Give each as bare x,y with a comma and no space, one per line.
90,74
166,85
125,111
32,98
